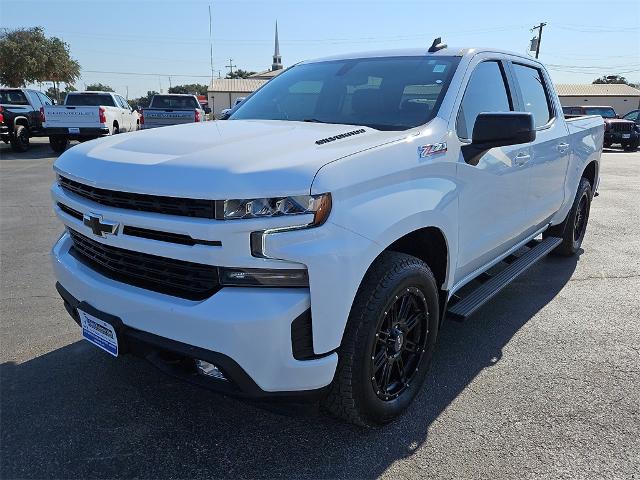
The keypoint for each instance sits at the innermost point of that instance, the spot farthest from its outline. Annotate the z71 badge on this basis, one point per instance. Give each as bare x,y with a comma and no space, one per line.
426,150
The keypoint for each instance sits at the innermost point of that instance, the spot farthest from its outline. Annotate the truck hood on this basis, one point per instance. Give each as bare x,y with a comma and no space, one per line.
219,159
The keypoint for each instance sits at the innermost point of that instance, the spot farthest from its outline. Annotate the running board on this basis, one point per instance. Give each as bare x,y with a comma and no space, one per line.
467,305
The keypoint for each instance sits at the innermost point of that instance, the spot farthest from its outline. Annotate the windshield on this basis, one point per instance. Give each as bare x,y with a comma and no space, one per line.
388,93
89,100
13,97
174,101
605,112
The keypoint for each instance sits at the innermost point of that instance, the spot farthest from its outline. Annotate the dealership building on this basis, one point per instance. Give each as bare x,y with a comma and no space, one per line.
623,98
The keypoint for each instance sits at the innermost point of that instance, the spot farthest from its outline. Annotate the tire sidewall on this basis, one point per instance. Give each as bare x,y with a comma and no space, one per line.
378,410
20,141
583,190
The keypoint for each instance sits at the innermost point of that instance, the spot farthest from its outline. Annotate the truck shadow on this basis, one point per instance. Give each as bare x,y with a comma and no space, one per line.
75,412
37,150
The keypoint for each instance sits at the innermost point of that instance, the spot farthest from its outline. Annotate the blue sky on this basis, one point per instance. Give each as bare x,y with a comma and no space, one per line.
582,39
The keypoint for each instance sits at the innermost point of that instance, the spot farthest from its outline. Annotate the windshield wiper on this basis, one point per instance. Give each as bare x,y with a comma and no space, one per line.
314,120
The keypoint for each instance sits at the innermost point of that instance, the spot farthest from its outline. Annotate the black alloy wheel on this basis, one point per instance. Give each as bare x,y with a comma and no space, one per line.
400,342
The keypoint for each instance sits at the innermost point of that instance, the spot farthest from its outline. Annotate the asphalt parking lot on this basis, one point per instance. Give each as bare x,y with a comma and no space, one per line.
543,382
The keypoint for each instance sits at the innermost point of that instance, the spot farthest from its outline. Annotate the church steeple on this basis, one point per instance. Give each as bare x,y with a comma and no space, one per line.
277,60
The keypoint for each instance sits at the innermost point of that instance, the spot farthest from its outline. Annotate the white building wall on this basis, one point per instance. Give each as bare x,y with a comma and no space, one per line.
221,100
621,105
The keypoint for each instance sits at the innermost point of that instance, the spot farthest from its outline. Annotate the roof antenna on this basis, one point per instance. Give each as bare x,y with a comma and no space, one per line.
437,45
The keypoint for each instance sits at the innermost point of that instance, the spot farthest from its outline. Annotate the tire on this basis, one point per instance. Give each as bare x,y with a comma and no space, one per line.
58,143
376,332
574,227
20,139
115,130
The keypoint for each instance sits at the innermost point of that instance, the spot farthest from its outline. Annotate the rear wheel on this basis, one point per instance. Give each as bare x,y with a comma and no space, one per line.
574,227
20,139
116,129
388,342
58,143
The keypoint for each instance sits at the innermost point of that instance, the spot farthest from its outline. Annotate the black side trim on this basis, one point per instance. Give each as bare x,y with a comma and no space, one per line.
177,358
70,211
302,338
168,236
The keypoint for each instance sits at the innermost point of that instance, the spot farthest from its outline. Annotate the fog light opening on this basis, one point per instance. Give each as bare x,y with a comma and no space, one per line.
209,370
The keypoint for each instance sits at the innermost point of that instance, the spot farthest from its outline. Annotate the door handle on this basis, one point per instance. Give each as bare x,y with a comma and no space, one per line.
562,147
522,158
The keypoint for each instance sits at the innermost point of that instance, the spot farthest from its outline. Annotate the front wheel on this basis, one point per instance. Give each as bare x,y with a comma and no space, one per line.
58,143
20,139
574,227
388,342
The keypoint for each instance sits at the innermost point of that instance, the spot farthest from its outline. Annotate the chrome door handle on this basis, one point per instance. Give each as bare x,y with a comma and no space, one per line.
562,147
522,158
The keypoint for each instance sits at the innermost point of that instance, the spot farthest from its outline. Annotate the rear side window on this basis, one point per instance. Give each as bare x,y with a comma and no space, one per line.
44,99
13,97
486,92
89,100
534,94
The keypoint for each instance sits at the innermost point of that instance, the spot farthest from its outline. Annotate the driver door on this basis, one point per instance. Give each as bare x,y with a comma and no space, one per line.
494,193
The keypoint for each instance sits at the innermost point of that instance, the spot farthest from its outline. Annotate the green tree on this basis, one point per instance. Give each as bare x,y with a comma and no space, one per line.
190,88
99,87
239,73
616,79
59,94
28,56
142,101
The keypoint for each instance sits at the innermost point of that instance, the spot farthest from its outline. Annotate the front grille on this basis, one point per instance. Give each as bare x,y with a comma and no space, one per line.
185,207
193,281
622,127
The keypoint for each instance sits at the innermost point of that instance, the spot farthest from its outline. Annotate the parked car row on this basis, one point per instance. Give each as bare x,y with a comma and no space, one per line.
622,131
26,113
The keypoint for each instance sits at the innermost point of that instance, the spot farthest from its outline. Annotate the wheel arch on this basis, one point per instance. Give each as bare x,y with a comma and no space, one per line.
590,172
24,121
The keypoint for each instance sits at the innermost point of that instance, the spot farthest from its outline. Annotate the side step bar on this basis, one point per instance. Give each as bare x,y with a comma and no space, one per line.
466,306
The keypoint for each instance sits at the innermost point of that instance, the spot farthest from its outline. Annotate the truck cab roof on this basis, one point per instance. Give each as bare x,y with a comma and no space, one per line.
417,52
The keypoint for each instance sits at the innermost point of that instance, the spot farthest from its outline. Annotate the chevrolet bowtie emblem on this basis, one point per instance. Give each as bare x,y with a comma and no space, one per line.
99,226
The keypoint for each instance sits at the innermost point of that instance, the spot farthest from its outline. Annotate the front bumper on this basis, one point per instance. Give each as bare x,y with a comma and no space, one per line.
617,137
247,331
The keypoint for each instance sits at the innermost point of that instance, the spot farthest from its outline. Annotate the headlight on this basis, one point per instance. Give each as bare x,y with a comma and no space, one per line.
318,205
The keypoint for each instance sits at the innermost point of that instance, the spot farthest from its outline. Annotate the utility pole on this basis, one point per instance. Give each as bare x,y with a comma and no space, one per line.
210,45
231,66
539,28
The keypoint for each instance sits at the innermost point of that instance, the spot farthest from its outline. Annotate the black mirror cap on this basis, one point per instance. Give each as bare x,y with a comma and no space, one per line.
498,130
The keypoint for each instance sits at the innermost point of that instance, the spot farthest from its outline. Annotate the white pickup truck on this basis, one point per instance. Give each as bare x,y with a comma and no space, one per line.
88,115
311,246
173,109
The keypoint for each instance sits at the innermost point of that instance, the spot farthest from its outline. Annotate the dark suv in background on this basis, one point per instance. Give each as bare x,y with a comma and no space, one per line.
21,116
616,130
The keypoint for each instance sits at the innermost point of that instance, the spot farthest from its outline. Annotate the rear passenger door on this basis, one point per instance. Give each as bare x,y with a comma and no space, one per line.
551,149
493,193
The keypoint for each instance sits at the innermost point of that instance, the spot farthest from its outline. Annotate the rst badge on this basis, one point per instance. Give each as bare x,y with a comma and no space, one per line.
433,148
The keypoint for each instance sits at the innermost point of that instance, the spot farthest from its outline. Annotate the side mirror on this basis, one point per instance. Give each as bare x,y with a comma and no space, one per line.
498,130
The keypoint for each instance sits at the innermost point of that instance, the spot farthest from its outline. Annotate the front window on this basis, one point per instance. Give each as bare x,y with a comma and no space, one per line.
387,93
604,112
